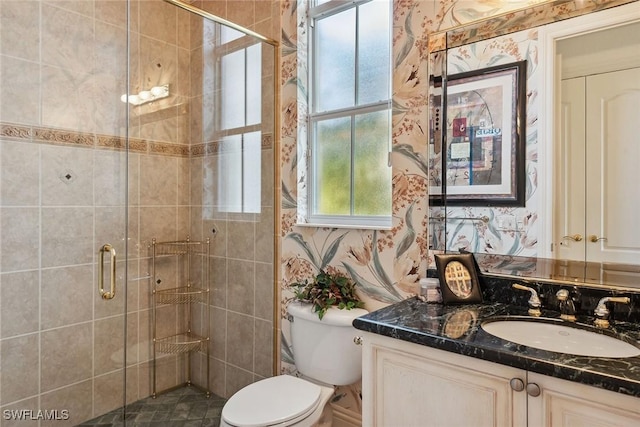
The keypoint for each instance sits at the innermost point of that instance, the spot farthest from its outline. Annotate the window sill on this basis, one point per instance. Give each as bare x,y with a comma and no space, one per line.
344,226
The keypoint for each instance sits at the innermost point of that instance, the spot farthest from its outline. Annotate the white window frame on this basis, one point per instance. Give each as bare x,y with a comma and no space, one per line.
342,221
221,49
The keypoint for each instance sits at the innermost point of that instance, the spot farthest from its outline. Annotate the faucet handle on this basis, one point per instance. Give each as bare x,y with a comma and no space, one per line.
602,311
562,295
534,300
567,307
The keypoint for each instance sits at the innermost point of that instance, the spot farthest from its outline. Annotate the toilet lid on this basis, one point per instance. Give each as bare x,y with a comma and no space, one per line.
271,401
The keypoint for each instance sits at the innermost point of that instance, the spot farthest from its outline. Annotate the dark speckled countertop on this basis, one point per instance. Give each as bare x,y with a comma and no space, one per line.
456,328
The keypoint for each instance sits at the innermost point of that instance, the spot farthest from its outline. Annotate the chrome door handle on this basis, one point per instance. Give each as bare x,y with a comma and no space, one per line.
575,237
112,288
595,239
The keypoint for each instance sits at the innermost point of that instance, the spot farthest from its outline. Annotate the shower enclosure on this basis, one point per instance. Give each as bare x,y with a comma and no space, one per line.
122,121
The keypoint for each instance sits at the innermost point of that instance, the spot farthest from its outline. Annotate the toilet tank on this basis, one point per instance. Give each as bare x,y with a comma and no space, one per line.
324,349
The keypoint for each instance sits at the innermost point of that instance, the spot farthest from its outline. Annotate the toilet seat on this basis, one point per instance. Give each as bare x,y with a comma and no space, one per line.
279,400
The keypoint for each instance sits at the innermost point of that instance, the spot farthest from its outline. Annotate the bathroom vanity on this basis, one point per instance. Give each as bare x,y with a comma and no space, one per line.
434,365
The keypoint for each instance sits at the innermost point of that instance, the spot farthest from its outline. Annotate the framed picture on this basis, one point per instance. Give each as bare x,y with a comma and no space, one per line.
458,279
482,161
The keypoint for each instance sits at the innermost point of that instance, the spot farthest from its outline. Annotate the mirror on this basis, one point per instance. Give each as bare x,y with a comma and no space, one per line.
554,223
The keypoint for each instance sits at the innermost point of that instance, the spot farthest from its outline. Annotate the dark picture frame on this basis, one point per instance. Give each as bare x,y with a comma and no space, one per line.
482,162
458,276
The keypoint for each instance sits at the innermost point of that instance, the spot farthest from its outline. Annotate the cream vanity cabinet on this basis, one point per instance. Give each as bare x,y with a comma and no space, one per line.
406,384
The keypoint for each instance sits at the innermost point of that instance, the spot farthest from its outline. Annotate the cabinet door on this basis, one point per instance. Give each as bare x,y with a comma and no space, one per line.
568,404
407,384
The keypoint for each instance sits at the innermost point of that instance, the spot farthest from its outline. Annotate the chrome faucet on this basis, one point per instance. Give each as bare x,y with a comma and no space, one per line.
534,300
567,307
602,312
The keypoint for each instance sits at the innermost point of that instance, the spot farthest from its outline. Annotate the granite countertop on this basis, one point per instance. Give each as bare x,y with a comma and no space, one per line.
456,328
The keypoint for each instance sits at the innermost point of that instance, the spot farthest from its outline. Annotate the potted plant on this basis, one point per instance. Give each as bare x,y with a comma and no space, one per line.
328,290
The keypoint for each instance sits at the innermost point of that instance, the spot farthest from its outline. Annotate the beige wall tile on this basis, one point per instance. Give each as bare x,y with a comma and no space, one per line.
167,372
19,362
58,163
217,375
240,340
110,227
21,98
18,29
242,235
64,39
158,222
110,79
263,353
66,355
159,20
20,174
218,339
31,404
219,282
236,379
19,303
83,7
66,296
67,99
133,385
158,181
264,291
265,231
108,345
109,173
241,286
267,189
76,399
241,12
19,239
107,392
67,236
111,11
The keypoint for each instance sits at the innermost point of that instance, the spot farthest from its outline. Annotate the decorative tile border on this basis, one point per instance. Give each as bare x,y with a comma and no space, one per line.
41,135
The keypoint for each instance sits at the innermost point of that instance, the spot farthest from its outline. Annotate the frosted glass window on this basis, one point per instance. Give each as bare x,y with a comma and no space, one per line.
254,84
233,90
371,172
240,150
230,174
333,167
336,61
350,114
251,172
374,63
228,34
239,173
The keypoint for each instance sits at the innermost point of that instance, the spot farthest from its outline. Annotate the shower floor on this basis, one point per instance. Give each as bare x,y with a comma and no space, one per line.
182,407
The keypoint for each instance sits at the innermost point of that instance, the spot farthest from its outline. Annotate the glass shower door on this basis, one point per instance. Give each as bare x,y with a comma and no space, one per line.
63,196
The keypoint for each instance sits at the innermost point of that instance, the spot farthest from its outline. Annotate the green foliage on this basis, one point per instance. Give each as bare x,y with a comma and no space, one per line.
328,290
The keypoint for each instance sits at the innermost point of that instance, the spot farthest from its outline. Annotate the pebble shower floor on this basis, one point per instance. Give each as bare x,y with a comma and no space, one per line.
182,407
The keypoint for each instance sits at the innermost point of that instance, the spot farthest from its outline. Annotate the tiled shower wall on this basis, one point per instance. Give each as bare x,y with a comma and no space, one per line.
62,195
241,303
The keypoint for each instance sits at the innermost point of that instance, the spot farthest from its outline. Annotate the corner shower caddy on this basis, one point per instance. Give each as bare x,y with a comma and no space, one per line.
186,293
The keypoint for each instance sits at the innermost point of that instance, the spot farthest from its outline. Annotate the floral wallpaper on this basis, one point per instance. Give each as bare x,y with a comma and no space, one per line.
387,264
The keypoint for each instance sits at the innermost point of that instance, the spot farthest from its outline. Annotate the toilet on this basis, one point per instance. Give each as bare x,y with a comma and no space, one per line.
325,356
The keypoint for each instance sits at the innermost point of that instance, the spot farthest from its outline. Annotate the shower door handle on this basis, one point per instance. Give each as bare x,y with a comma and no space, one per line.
112,288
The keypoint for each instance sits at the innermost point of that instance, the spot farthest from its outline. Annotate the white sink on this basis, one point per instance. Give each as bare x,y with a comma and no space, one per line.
560,338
